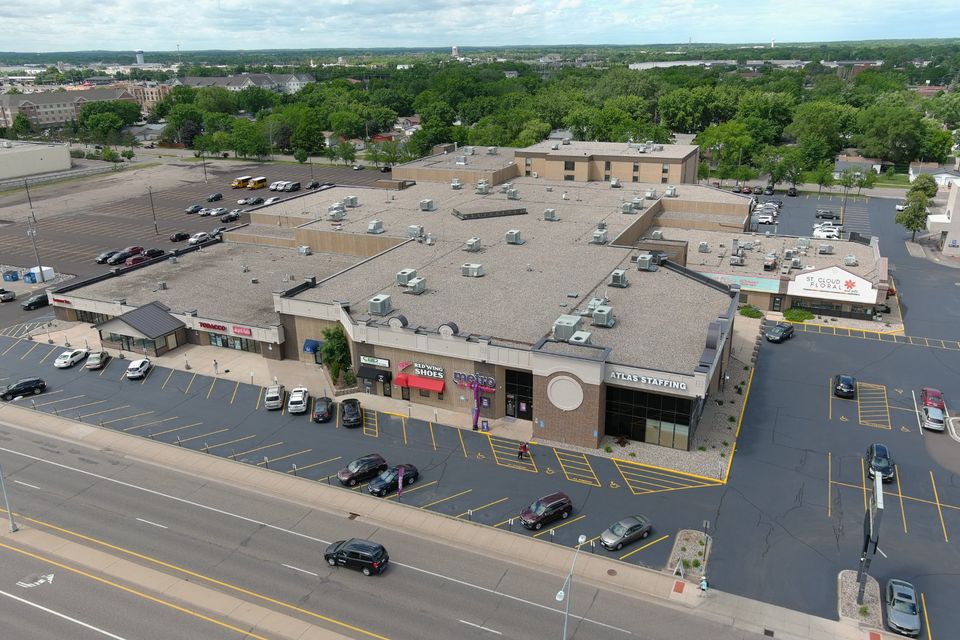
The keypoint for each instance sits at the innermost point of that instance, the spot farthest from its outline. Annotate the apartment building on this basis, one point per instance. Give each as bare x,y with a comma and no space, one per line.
56,108
286,83
628,162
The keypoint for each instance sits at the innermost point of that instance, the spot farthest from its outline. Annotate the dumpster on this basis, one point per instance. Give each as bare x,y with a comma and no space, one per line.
30,278
10,276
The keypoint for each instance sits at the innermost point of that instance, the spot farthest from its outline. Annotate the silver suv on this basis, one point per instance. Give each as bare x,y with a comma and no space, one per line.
273,398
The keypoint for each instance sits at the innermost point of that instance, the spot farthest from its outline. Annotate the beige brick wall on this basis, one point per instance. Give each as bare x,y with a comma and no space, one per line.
574,427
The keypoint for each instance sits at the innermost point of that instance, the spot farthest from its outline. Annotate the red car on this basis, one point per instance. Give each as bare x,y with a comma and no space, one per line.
930,397
132,260
134,251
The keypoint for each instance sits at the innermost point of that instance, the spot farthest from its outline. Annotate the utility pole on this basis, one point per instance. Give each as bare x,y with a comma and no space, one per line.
33,238
156,229
6,503
311,169
26,185
203,161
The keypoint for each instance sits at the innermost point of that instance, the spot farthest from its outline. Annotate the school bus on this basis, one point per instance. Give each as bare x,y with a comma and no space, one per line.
241,182
257,183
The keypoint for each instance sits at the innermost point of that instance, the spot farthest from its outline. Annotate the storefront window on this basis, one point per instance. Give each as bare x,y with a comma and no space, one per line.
423,393
91,317
648,417
231,342
518,388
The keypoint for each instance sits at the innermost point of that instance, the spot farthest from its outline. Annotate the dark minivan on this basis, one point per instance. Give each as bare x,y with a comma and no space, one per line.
556,506
22,387
352,413
35,302
356,553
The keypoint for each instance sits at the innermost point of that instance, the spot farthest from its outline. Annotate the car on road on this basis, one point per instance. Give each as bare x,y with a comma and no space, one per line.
626,531
358,167
138,369
903,610
322,409
386,169
69,358
7,296
844,386
779,332
768,190
933,418
273,398
194,208
389,480
930,397
217,232
257,200
23,387
556,506
363,468
272,200
363,555
902,205
879,460
352,413
299,400
233,216
792,192
826,214
214,197
96,360
179,236
200,237
35,302
766,218
106,255
134,260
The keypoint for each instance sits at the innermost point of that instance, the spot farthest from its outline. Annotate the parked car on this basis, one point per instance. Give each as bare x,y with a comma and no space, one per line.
844,386
233,216
256,200
194,208
271,200
545,510
214,197
386,169
23,387
902,205
106,255
768,190
7,296
153,253
389,480
138,369
758,190
879,460
361,469
134,250
273,398
200,237
792,192
765,218
219,211
274,185
779,332
133,260
737,189
930,397
179,236
245,200
203,213
299,400
933,418
118,258
237,211
363,555
626,531
903,610
358,167
216,232
826,214
322,409
826,234
96,360
35,302
69,358
352,413
313,184
291,186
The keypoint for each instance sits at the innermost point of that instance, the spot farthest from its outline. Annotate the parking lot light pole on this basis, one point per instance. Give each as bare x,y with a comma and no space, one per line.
564,593
156,229
33,238
6,503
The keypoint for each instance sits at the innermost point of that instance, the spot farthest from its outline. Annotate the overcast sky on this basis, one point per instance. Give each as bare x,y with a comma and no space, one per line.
70,25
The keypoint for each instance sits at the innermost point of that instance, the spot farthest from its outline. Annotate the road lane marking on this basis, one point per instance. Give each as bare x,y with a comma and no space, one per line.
66,617
155,524
10,347
562,524
903,515
649,544
103,369
936,497
26,484
482,628
290,566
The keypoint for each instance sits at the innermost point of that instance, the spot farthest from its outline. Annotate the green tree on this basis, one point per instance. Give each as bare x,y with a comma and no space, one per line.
935,142
890,131
729,143
913,218
216,100
21,124
866,180
827,123
822,176
128,112
347,124
533,131
335,351
301,155
128,154
925,184
346,152
703,171
255,99
185,121
248,140
391,152
308,135
100,126
792,167
375,154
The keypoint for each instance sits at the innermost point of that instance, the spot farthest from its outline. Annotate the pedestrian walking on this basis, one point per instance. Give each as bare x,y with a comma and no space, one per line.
522,451
704,585
216,368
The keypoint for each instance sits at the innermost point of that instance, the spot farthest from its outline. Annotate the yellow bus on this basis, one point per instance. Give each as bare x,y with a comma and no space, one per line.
241,182
257,183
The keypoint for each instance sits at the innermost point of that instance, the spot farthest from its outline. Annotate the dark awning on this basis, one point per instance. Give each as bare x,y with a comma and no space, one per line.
369,373
311,346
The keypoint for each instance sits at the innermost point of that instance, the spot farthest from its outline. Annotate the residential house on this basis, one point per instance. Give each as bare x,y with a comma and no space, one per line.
408,124
942,174
285,83
859,164
56,108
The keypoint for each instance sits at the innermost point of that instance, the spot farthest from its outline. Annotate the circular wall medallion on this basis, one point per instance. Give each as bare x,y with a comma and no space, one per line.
565,393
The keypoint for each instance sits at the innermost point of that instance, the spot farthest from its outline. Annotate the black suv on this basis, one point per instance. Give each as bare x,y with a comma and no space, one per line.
556,506
844,386
352,413
826,214
780,332
23,387
213,197
35,302
322,409
879,460
362,469
356,553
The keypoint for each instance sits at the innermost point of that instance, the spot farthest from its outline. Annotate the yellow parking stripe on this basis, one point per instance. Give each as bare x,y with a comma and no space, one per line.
259,395
576,467
562,524
206,435
433,440
371,424
255,449
936,497
284,457
649,544
462,444
436,502
505,454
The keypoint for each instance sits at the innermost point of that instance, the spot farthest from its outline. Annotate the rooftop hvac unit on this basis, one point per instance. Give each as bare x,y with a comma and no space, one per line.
375,226
627,207
703,247
462,161
483,189
554,146
565,326
415,231
473,244
551,215
430,239
513,194
615,183
825,249
797,263
785,269
380,305
173,260
803,243
746,245
513,237
162,285
850,261
491,151
603,316
601,225
416,286
618,279
468,151
593,304
651,194
566,141
351,201
637,203
336,213
645,262
580,337
671,192
735,247
506,186
404,276
472,270
599,236
657,235
788,254
534,174
737,261
304,250
426,205
455,184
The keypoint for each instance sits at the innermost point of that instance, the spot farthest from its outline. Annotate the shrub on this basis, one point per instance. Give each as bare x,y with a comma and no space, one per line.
349,378
686,563
797,315
731,419
77,153
608,449
701,448
864,610
92,155
633,454
696,563
726,444
751,312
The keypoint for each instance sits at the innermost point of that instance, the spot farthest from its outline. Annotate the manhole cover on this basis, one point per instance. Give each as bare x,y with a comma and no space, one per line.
611,572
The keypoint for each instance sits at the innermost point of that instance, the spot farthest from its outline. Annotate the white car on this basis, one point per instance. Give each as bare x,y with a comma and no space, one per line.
271,200
901,206
299,400
219,211
69,358
825,226
197,238
275,186
826,234
766,218
138,369
245,200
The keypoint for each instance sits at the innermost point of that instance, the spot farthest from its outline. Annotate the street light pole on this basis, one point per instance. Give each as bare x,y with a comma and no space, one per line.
156,229
565,592
203,161
6,503
33,238
26,185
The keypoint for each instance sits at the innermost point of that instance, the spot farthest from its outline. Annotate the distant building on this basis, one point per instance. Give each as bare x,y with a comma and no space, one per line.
859,164
511,74
56,108
574,161
147,94
139,57
942,174
943,223
286,83
19,159
454,51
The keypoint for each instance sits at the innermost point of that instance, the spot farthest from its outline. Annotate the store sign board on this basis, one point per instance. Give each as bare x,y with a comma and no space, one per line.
375,362
747,283
243,331
664,383
212,326
833,283
459,377
427,371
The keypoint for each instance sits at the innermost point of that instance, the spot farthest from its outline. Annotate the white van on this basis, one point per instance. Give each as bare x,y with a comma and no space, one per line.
274,397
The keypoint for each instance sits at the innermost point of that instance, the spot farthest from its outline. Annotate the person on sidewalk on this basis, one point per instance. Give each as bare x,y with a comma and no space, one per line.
522,451
704,585
216,368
